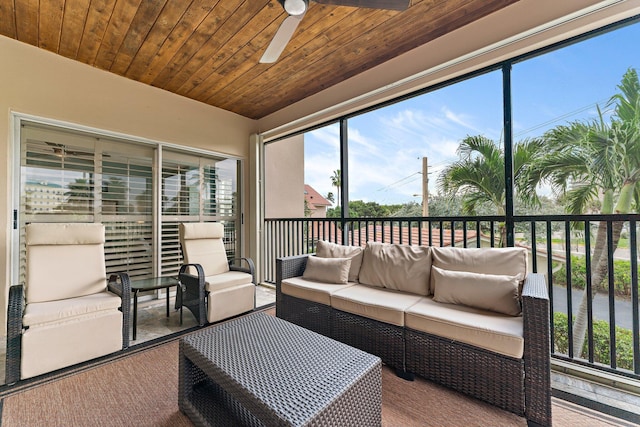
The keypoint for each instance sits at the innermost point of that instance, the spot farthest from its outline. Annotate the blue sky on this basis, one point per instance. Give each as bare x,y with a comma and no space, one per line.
386,146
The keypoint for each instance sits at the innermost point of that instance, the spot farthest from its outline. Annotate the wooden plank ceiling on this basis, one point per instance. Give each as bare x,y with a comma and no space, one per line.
208,50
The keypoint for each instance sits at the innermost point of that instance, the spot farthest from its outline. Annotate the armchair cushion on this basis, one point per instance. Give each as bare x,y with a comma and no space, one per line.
202,244
53,271
227,280
53,311
67,342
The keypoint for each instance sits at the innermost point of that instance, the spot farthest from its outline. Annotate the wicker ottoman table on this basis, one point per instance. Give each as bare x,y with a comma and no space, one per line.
259,370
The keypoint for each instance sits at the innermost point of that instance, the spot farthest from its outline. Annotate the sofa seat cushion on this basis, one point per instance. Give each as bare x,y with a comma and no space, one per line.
227,280
311,290
38,313
491,331
384,305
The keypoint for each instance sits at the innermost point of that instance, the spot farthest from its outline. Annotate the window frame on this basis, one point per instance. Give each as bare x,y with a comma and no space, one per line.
157,147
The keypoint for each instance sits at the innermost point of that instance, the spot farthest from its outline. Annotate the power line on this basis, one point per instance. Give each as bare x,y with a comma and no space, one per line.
399,181
561,117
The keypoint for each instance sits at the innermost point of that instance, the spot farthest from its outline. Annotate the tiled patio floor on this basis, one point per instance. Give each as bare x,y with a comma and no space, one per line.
153,323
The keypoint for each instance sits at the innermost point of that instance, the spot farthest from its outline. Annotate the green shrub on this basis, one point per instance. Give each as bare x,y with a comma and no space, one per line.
621,275
601,343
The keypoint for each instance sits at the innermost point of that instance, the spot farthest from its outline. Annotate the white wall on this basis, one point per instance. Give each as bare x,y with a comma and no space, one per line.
284,178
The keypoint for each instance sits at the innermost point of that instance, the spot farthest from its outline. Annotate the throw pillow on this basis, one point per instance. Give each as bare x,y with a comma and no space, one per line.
492,292
328,270
332,250
503,261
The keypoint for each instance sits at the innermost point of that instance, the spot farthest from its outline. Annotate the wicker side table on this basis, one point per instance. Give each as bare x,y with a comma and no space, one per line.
263,371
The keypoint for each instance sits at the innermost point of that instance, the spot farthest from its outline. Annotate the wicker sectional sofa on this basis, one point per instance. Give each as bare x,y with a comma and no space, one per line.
471,319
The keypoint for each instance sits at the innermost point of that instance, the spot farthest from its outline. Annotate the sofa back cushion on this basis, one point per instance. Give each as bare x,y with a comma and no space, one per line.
492,292
500,261
400,267
332,250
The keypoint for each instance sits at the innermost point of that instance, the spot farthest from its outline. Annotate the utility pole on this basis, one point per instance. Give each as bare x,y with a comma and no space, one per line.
425,188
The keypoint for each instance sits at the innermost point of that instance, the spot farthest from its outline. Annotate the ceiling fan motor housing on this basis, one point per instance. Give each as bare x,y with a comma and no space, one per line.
295,7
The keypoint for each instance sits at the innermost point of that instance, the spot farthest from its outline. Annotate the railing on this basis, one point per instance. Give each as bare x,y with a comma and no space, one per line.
558,248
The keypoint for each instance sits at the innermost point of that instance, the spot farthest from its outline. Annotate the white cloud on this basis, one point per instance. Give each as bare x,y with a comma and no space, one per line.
385,151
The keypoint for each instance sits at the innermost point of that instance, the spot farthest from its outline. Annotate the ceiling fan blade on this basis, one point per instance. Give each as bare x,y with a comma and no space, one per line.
281,39
370,4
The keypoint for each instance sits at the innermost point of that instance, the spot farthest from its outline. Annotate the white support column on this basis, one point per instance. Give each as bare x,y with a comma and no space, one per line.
256,192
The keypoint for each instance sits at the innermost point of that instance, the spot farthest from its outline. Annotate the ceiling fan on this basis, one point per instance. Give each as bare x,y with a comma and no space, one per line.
61,150
297,9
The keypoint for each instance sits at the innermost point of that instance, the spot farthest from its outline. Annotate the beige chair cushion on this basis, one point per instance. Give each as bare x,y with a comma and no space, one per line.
39,313
38,234
384,305
202,244
328,270
492,292
64,261
399,267
310,290
228,280
332,250
485,329
230,301
503,261
66,342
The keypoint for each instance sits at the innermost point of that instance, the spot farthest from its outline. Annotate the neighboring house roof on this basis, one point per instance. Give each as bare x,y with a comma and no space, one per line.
314,199
327,230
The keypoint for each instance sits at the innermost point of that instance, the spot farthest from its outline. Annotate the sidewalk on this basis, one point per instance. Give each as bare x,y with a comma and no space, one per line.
623,307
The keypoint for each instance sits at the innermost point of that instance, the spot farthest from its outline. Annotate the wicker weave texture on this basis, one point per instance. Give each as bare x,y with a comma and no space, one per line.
308,314
14,334
537,350
265,371
382,339
485,375
191,292
522,386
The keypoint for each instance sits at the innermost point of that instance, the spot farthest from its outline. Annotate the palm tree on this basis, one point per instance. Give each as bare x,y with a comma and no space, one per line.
479,176
336,181
591,162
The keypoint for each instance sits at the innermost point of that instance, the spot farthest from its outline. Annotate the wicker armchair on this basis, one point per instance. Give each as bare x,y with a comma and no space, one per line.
67,312
211,287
